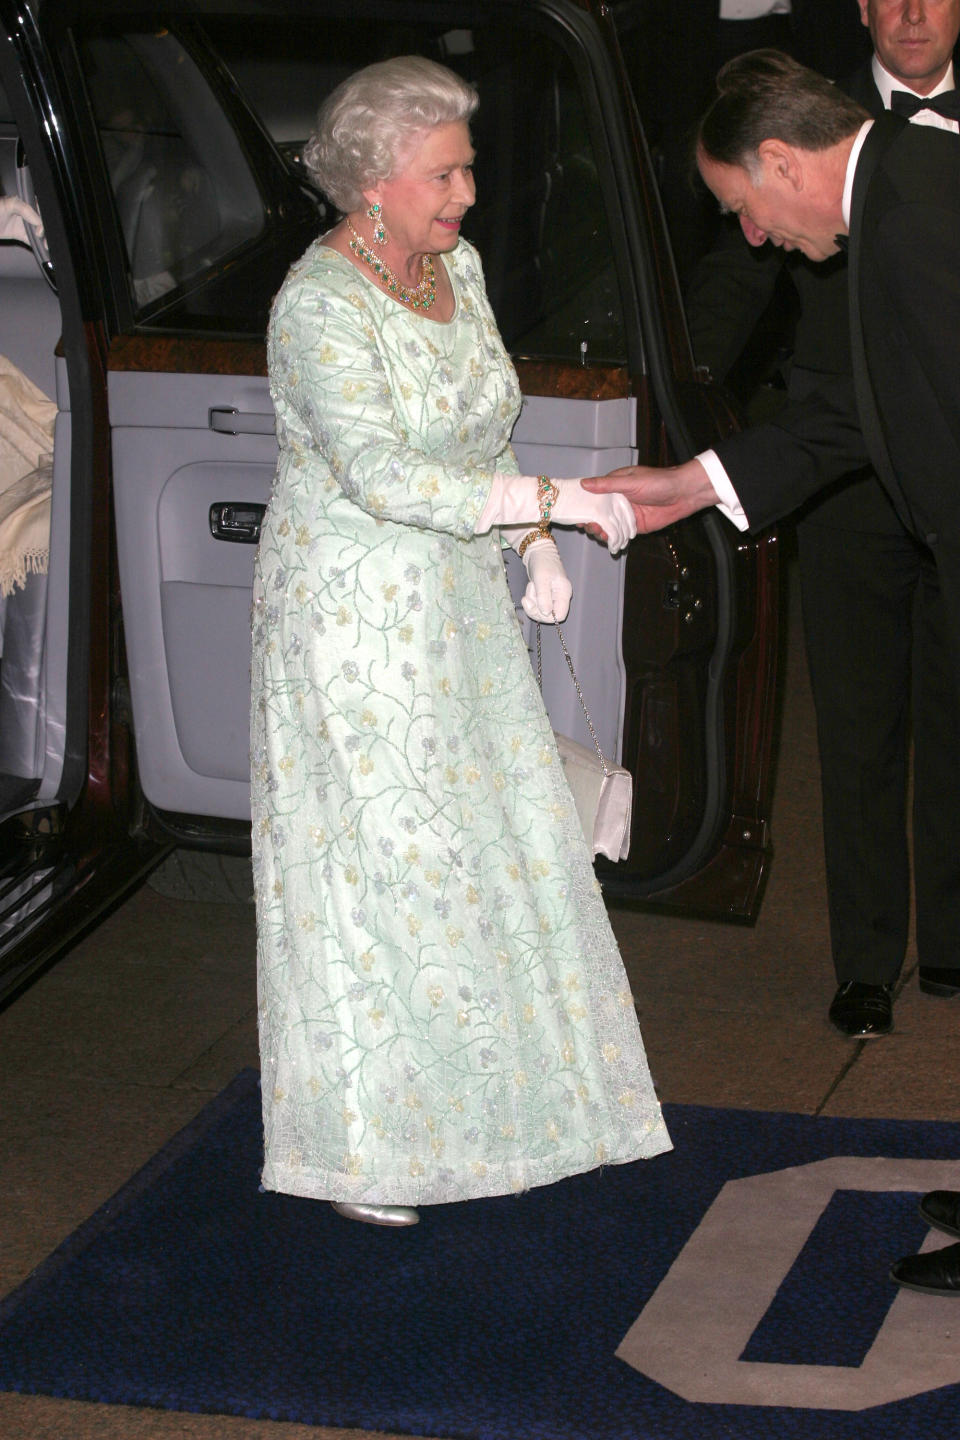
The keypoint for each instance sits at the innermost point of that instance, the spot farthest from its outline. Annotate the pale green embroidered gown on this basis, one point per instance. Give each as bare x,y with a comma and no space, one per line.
443,1010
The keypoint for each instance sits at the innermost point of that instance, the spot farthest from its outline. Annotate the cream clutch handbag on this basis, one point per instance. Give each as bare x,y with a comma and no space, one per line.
602,793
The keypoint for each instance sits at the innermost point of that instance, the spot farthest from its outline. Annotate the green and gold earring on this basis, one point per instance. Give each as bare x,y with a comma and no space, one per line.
379,230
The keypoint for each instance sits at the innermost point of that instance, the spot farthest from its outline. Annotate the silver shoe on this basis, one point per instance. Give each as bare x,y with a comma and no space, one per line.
377,1214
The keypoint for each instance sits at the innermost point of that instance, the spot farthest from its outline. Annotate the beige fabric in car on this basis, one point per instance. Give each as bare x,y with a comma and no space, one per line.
27,419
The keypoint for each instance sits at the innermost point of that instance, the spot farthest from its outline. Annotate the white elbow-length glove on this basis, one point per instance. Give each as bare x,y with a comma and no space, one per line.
548,593
15,216
513,501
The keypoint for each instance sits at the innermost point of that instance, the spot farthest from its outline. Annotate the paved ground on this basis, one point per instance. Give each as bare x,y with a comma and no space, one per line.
119,1045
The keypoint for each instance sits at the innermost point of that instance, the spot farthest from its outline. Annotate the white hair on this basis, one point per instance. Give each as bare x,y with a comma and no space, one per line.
370,122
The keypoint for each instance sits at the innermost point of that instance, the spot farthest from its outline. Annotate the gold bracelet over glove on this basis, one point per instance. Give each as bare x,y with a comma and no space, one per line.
542,532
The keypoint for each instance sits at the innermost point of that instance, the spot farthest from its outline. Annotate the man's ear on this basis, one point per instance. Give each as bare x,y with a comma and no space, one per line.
864,12
781,163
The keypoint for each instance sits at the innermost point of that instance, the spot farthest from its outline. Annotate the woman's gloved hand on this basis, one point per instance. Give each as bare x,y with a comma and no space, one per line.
616,521
548,593
513,501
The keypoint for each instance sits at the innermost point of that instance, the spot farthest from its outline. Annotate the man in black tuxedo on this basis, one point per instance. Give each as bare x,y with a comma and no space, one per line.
802,164
872,608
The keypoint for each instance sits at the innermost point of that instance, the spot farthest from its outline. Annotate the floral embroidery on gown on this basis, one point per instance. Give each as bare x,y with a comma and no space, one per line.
443,1010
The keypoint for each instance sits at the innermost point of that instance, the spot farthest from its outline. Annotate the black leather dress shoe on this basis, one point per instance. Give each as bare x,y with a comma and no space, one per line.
939,980
862,1011
935,1273
941,1209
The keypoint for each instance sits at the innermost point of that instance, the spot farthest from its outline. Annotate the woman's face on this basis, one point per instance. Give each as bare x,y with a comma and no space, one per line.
425,202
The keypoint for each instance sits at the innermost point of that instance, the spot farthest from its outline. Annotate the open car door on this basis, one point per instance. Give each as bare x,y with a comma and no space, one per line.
185,125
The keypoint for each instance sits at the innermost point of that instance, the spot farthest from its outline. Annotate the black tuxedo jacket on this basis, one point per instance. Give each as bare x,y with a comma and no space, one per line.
900,409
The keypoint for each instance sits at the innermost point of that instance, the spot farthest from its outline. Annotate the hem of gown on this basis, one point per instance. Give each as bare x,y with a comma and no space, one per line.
408,1190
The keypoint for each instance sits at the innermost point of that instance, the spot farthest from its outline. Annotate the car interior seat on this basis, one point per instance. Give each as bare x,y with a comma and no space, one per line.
30,325
29,309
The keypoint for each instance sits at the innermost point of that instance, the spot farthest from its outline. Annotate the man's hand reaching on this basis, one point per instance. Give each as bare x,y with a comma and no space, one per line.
659,497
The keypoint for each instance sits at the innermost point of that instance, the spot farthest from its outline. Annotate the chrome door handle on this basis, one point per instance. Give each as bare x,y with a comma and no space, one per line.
229,421
238,521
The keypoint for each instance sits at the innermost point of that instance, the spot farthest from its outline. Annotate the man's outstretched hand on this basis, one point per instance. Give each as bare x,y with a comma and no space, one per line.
659,497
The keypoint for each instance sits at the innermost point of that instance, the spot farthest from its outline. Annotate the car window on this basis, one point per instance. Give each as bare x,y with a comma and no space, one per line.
540,221
184,192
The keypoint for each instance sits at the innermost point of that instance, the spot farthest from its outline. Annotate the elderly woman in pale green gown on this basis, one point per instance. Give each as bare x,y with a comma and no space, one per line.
443,1010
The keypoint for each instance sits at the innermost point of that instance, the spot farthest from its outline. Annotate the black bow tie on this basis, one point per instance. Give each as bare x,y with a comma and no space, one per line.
842,242
947,104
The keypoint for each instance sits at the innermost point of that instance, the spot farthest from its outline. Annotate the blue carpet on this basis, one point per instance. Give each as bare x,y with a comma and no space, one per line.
494,1320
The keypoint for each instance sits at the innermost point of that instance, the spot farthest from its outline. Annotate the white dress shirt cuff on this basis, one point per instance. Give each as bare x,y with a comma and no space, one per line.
727,501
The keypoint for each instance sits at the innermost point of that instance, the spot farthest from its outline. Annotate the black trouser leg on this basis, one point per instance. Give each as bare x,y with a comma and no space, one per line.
858,594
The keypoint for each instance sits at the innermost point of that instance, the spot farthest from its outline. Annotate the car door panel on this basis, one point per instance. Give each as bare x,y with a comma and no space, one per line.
205,588
186,594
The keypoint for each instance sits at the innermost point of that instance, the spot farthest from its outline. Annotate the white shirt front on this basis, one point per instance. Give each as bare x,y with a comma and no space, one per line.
887,83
